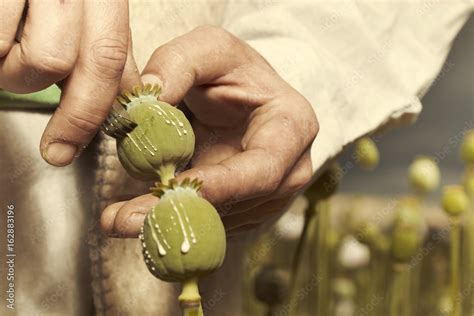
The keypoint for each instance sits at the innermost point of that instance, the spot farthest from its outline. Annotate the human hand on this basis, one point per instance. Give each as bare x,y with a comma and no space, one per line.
253,130
85,46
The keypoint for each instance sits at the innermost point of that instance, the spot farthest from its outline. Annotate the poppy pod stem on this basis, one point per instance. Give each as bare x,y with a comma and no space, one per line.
305,238
468,237
400,290
166,173
455,203
455,282
421,197
317,218
378,247
323,254
190,300
467,155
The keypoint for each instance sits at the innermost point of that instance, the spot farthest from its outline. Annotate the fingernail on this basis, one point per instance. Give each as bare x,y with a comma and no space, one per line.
59,154
149,78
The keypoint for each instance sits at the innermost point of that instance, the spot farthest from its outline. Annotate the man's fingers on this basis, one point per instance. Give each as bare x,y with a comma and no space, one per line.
93,84
253,219
48,51
257,215
233,233
297,179
107,218
267,157
124,219
131,75
246,175
195,58
280,127
10,15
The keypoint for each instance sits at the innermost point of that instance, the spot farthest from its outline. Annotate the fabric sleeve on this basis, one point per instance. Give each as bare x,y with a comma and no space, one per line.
361,64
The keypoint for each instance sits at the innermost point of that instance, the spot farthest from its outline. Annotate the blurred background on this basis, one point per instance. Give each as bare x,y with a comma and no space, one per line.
448,110
381,246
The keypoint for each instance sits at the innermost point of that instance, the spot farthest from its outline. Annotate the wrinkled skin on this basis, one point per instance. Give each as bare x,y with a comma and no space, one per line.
85,47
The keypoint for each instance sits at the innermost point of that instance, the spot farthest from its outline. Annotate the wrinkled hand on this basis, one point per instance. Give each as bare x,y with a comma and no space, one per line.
82,44
253,130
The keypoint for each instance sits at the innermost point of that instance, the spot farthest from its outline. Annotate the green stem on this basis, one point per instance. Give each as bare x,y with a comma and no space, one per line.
469,257
190,300
323,256
400,290
166,173
455,288
407,295
331,270
467,251
379,255
416,284
299,250
377,275
393,295
416,270
298,256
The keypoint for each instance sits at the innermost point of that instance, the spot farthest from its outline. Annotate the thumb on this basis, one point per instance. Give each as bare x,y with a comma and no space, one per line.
195,58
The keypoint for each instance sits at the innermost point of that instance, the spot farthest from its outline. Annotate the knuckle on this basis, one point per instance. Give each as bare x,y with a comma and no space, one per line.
292,124
209,28
108,56
313,129
82,120
48,61
300,181
217,32
297,185
312,125
306,119
271,186
174,53
299,177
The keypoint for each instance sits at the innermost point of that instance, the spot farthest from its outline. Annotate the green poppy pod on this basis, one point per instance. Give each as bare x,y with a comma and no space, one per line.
424,174
154,138
366,153
183,237
406,235
455,200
